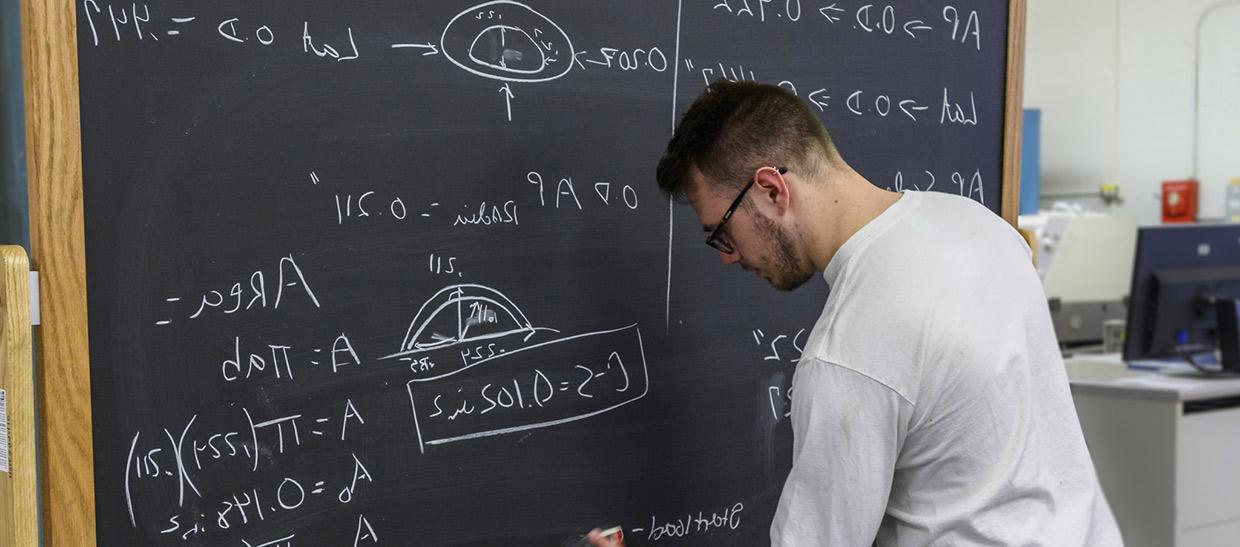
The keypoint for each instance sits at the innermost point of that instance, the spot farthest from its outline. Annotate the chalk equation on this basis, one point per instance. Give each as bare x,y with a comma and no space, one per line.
238,510
274,360
958,25
513,43
480,371
130,21
954,108
184,458
180,454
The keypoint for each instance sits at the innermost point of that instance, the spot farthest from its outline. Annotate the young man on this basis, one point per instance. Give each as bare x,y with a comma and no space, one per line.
931,405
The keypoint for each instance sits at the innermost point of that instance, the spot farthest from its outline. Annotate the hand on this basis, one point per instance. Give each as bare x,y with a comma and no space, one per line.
597,539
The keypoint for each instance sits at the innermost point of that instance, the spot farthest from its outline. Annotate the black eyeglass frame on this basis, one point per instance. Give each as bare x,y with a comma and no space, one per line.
714,239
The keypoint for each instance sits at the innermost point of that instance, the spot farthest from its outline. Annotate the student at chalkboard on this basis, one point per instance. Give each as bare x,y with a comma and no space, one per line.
931,405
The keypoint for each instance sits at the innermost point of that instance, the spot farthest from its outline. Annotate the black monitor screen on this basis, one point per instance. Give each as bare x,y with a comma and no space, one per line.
1179,272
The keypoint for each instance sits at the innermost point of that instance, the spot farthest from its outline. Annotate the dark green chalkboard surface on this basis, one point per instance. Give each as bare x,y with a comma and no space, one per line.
398,273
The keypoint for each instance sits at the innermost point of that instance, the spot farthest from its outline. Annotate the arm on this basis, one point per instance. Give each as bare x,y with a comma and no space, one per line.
848,430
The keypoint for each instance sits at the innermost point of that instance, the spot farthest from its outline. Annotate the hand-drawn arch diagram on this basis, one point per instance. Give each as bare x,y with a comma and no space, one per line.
508,41
479,372
461,314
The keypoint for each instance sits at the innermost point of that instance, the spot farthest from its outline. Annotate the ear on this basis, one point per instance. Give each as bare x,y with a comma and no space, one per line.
774,194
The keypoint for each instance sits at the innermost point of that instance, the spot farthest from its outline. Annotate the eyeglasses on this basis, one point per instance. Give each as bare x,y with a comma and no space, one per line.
716,239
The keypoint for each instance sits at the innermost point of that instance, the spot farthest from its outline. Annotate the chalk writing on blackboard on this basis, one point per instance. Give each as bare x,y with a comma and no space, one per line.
967,185
565,189
255,292
258,407
783,350
507,41
689,524
964,26
481,372
186,453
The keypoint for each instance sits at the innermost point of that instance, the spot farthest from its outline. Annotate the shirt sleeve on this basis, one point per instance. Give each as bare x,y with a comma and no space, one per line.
847,433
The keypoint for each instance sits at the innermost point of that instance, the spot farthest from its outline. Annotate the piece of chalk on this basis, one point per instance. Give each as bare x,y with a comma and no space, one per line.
602,533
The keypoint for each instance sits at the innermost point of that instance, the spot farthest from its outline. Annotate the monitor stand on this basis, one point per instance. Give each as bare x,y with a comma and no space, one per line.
1227,319
1227,315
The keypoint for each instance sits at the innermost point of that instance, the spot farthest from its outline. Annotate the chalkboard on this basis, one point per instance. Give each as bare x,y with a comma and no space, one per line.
398,273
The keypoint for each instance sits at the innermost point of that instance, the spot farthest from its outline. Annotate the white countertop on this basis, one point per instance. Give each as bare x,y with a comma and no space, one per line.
1107,374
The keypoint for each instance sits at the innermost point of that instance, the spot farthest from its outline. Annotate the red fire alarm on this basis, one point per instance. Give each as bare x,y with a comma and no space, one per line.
1179,201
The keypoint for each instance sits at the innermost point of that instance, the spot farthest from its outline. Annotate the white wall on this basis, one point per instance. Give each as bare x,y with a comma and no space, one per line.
1219,129
1115,80
1070,74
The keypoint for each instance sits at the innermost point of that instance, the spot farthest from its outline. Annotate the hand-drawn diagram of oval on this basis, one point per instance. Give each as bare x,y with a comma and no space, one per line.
509,41
460,314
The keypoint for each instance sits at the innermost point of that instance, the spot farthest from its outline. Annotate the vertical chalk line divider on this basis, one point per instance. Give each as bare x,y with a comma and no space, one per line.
667,313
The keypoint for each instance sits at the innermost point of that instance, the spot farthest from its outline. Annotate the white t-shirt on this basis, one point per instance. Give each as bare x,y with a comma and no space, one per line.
931,405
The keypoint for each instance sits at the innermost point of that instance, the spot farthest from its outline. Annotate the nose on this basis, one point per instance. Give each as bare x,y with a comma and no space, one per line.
729,258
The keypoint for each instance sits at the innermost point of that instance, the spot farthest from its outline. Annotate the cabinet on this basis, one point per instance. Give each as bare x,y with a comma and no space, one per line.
1167,451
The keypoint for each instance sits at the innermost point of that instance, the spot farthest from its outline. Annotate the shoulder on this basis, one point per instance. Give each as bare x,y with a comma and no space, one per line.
872,326
953,215
945,241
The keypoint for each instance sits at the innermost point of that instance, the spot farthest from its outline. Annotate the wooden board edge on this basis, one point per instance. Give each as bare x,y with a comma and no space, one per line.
54,169
20,484
1013,112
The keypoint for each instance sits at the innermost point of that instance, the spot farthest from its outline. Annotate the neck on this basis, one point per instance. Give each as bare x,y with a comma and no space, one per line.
840,206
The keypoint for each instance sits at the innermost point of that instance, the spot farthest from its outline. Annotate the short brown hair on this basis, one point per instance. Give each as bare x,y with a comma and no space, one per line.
734,128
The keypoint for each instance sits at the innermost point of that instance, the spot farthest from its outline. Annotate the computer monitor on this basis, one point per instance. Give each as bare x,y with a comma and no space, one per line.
1185,295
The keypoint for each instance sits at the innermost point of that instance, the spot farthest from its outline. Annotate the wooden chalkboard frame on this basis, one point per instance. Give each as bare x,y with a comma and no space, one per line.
53,138
19,520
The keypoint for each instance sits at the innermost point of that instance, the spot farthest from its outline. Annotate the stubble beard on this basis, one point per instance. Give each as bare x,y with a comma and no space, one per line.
787,272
